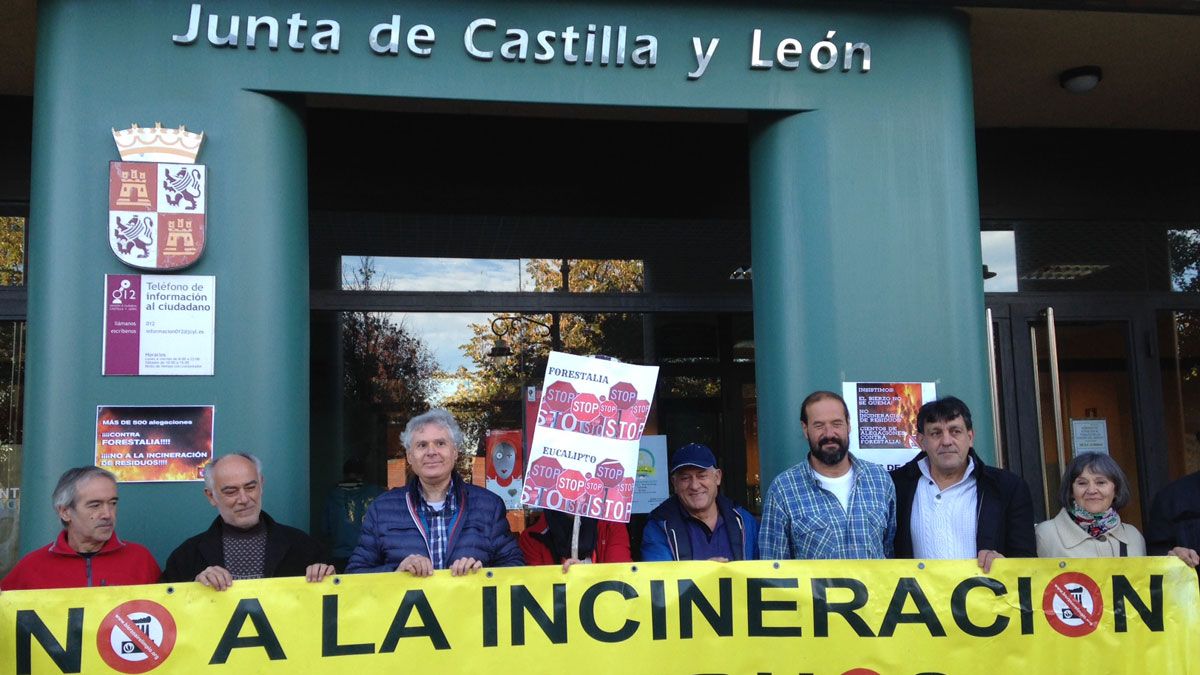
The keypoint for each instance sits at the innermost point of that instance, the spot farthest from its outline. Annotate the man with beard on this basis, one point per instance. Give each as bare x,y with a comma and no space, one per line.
833,505
952,505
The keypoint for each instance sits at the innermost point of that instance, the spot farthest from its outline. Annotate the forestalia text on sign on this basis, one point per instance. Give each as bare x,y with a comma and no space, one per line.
826,617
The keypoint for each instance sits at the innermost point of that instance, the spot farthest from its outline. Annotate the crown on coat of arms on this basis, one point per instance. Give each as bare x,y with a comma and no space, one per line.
158,144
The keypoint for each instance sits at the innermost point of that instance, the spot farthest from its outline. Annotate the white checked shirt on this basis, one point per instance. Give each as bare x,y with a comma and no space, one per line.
943,521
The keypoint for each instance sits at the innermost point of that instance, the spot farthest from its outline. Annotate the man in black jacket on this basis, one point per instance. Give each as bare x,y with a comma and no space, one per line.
243,542
1174,520
950,505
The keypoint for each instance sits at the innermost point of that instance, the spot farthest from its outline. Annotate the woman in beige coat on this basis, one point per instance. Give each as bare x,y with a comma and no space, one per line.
1088,526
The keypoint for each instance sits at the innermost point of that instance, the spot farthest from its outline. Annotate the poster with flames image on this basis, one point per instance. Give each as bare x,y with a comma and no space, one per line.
143,444
583,457
883,417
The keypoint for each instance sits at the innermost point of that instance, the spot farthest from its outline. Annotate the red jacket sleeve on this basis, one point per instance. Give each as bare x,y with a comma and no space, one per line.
535,552
614,543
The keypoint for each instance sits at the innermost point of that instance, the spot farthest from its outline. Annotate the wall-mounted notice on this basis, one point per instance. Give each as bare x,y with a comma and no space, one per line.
1089,434
585,444
533,401
650,488
883,419
159,325
142,444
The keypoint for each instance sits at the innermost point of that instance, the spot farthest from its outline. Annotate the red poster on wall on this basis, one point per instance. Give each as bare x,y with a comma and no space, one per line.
154,443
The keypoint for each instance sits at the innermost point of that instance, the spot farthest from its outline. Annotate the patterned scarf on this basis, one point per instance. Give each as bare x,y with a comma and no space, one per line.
1095,524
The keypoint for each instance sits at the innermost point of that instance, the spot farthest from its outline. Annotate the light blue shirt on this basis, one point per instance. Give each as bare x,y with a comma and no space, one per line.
802,520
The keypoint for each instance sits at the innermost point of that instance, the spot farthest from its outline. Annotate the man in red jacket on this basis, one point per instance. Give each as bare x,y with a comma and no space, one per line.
87,551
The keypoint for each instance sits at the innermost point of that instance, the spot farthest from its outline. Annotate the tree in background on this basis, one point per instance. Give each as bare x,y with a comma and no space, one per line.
12,250
1184,251
12,379
490,395
389,373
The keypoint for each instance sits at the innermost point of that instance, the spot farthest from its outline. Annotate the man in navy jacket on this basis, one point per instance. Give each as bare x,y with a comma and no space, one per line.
436,521
697,523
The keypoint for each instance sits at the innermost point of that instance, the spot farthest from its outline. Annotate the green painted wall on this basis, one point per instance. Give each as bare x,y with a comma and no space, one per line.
866,251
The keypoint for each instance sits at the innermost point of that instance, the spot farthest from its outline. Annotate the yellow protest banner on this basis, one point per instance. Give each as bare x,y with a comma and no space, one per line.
895,617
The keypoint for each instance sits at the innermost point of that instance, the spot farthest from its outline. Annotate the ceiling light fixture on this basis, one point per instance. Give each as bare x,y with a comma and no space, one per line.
1080,80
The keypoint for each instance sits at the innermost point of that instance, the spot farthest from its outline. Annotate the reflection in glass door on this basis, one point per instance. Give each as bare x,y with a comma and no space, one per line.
1179,347
1085,400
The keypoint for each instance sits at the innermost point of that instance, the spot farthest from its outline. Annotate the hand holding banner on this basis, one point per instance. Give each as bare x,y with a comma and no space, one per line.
1098,615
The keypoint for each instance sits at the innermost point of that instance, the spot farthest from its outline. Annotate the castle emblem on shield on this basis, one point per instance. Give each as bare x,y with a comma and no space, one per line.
156,198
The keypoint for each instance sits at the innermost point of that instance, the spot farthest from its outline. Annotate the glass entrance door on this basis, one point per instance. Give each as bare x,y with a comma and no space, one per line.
1085,400
1073,378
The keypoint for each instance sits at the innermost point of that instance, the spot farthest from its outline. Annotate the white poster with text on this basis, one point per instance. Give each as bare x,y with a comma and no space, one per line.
650,489
159,325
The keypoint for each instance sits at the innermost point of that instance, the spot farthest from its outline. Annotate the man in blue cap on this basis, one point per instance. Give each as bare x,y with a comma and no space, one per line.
697,523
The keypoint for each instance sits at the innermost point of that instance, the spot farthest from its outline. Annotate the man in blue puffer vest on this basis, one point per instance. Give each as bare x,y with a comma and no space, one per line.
697,523
437,521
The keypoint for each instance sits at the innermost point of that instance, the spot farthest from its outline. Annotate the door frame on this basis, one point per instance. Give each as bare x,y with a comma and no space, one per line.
1012,315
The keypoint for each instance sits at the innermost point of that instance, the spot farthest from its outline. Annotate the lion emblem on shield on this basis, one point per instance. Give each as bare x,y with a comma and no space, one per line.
184,185
136,232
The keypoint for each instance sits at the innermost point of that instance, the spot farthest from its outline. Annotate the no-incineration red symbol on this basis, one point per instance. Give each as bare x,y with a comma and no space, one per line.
1073,604
136,637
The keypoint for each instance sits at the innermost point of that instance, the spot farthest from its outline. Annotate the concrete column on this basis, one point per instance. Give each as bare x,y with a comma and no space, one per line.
865,245
257,247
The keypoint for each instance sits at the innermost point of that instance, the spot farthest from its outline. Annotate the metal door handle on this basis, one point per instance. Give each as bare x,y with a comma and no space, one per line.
1056,392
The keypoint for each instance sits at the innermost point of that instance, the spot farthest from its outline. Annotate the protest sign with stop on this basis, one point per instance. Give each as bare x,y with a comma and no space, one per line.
591,417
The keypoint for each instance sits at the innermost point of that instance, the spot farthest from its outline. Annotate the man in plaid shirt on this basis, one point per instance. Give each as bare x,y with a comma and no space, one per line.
832,505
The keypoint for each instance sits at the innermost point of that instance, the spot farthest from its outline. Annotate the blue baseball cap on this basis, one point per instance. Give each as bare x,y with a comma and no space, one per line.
693,454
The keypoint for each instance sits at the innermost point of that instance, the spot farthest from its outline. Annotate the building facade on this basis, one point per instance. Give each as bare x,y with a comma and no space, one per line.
464,169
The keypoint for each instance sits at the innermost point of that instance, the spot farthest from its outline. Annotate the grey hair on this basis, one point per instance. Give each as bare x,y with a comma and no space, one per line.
1096,462
68,485
208,470
438,416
